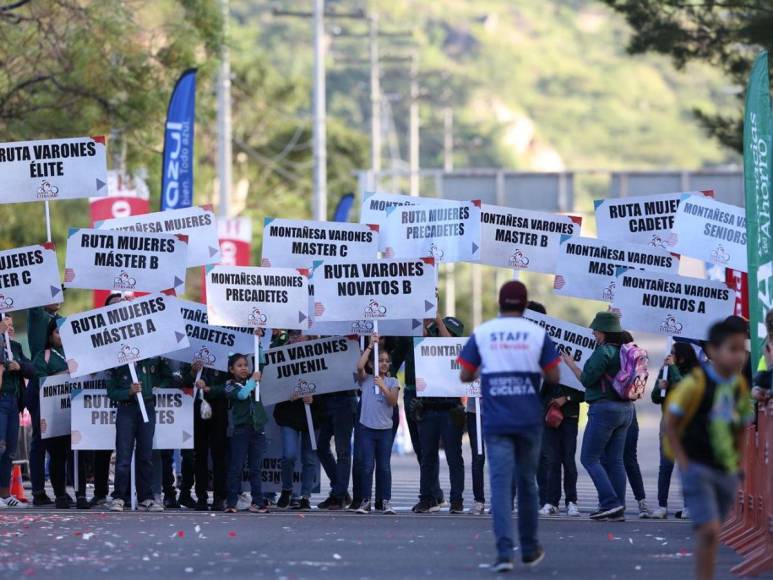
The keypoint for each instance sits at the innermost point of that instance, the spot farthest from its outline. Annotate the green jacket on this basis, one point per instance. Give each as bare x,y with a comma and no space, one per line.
215,380
13,381
37,329
602,365
245,410
56,363
152,373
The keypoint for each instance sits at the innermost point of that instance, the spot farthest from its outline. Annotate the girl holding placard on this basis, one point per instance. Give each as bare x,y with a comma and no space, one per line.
379,397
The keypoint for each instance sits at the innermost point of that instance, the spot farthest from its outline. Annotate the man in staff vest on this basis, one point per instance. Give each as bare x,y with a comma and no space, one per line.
511,355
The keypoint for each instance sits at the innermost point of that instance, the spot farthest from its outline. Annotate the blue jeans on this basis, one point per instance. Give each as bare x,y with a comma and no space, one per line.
559,447
514,458
604,438
297,444
246,443
376,449
478,460
434,425
338,423
131,431
9,436
631,459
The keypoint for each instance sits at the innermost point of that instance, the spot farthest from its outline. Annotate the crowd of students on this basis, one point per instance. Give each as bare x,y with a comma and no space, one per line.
701,390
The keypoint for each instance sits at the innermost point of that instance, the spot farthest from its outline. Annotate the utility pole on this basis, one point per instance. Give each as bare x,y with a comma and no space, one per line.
375,100
319,107
448,138
224,149
413,129
319,128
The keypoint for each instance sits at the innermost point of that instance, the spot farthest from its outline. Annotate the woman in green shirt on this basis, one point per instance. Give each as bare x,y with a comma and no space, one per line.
48,362
608,418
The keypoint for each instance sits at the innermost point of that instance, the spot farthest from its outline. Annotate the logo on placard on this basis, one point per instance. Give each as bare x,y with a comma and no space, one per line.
6,302
608,293
362,327
375,310
257,318
303,388
671,325
128,353
204,356
719,255
473,389
47,191
436,252
559,282
124,282
518,259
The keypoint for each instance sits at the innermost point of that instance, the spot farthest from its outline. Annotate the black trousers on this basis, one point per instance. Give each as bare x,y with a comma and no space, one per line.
210,439
59,450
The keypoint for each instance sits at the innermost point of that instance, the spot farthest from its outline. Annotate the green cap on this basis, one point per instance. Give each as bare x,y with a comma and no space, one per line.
606,322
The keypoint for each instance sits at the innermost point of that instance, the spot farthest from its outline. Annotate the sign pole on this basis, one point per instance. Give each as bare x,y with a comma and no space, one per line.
196,380
133,488
140,399
75,481
8,350
310,423
479,435
48,220
375,357
257,338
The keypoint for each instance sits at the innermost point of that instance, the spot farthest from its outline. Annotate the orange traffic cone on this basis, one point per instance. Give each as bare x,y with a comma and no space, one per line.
17,489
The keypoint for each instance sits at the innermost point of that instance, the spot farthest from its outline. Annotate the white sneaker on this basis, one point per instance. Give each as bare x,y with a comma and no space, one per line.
477,509
387,509
572,510
548,510
684,514
660,513
3,505
244,501
644,510
12,502
150,505
116,505
364,508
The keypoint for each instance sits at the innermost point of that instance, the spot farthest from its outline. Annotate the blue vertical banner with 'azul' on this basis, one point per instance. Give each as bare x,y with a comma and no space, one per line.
177,175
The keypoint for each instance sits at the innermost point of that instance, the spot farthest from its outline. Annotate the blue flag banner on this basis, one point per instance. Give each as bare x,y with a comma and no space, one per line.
344,206
177,175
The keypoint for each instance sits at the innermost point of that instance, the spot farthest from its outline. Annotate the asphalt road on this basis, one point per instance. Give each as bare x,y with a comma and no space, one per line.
322,545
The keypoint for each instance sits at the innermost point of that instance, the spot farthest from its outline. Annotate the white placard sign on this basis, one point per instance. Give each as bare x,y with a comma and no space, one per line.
522,239
125,261
93,419
29,277
311,367
197,223
210,345
645,219
587,267
174,419
575,340
376,290
55,401
437,368
297,243
53,169
249,297
125,332
448,232
410,327
671,305
711,231
375,205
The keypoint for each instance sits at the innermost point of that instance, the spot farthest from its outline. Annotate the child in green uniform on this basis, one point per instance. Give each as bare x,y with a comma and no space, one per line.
248,441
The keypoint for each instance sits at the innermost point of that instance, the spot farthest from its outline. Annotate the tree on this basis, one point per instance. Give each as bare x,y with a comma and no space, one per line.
725,33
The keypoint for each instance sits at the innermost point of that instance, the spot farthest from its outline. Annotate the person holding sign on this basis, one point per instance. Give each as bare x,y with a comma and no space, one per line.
677,365
132,434
379,397
37,326
51,361
248,441
296,442
609,417
13,370
511,355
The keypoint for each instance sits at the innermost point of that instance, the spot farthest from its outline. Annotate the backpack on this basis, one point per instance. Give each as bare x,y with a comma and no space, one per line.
631,380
